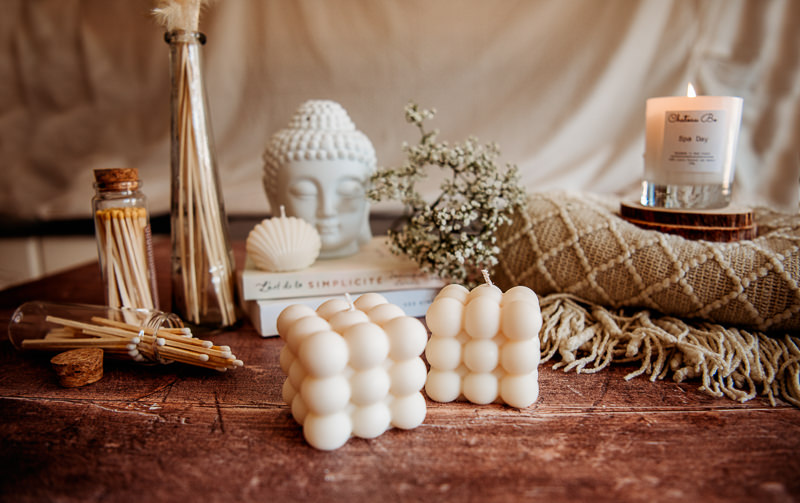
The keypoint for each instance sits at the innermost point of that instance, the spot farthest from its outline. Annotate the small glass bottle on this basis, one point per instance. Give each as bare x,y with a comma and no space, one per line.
124,240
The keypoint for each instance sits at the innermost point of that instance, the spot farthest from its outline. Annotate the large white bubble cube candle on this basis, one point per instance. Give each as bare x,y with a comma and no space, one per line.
484,345
352,369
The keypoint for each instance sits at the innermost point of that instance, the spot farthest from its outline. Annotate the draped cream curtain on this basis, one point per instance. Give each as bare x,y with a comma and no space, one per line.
560,85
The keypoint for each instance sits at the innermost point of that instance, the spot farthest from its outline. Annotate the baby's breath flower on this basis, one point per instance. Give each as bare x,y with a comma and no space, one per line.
454,236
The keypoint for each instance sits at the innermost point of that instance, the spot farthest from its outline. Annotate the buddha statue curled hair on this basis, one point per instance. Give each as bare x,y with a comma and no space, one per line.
318,169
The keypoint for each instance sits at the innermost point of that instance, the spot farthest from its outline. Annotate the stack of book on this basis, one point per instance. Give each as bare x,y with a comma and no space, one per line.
373,269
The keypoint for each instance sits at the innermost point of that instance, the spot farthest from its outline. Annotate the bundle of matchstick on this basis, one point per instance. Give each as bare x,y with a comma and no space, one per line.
124,243
120,339
201,248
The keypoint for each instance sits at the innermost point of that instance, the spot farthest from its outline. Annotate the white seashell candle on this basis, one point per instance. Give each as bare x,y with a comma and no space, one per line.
283,244
352,370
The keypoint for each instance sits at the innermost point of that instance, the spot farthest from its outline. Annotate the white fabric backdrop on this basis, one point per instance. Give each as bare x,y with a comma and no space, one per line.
560,85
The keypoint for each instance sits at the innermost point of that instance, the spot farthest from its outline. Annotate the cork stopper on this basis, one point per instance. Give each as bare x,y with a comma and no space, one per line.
78,367
113,179
116,175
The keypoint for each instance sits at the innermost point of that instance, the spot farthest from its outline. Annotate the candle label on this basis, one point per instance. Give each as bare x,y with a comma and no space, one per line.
694,140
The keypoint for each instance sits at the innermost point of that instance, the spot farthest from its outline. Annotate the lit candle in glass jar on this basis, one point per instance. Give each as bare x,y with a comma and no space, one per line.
690,149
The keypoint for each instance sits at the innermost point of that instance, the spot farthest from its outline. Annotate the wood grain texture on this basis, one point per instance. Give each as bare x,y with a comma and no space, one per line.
171,433
720,225
728,217
715,234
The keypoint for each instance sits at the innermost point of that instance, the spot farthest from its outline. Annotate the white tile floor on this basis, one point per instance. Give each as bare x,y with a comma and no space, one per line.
27,258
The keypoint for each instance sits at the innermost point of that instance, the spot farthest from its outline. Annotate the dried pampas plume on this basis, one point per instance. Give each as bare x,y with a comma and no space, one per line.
179,14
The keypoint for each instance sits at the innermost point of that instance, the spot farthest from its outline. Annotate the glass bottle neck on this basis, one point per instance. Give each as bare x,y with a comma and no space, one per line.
184,37
128,187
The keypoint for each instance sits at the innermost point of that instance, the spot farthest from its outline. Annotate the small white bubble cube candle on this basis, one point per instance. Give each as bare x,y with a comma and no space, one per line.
353,370
484,345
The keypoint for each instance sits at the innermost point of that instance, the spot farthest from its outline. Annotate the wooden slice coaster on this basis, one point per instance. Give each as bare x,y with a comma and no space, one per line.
78,367
729,217
721,225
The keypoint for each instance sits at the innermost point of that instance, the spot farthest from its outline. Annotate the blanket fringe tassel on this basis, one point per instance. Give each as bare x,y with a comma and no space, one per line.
729,361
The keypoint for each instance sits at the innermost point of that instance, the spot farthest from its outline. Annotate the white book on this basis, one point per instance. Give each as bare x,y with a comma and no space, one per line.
372,269
264,313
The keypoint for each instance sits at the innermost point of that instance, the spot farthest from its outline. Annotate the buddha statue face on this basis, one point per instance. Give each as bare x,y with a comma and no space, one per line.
318,169
331,196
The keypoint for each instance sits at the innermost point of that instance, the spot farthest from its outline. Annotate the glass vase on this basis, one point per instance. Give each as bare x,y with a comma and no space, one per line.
202,258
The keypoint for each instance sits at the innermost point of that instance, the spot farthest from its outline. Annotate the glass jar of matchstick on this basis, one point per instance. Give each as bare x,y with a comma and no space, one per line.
140,335
124,241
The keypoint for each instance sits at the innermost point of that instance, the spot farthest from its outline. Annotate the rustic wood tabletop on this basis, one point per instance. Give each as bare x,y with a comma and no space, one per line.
172,432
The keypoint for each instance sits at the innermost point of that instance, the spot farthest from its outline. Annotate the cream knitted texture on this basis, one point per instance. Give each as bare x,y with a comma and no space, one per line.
730,362
707,299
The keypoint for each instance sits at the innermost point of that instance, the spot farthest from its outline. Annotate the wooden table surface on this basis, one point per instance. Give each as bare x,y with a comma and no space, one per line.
172,433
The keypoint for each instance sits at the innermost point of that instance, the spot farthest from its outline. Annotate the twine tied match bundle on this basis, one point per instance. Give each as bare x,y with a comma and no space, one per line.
144,336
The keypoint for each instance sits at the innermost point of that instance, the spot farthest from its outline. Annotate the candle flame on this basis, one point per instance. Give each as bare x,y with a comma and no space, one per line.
690,91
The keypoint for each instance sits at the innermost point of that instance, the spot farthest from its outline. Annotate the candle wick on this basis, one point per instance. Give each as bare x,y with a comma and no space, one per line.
283,211
349,301
486,277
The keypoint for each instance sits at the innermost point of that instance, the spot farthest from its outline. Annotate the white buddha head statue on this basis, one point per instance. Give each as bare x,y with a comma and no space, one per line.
318,170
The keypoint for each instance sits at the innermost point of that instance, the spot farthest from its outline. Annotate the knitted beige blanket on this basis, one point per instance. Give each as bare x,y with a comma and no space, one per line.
611,291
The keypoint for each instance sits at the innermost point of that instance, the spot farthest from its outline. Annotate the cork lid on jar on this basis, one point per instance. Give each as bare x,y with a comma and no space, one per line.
116,178
112,175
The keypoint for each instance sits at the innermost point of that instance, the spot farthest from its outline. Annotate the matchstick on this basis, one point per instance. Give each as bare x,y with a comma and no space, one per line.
123,252
134,341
